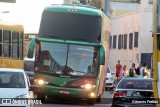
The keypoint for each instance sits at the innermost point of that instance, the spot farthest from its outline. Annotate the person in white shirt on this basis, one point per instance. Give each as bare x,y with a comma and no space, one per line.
123,72
144,73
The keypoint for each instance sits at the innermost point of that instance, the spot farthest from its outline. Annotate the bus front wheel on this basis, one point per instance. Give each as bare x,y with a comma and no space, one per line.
41,97
98,99
91,101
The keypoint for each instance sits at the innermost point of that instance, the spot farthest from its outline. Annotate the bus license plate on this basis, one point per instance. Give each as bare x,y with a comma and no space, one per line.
64,92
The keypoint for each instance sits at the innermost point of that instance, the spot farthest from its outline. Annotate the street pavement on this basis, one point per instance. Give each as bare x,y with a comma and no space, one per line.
106,102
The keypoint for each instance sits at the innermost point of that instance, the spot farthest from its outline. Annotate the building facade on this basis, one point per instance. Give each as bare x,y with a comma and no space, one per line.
131,37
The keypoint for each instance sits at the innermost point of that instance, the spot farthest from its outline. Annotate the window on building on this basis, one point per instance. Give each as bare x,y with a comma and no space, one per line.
125,41
114,41
122,42
130,40
119,41
136,39
110,42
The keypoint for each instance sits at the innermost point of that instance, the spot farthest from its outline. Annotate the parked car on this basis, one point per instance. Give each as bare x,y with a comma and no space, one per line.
110,79
14,84
29,68
131,92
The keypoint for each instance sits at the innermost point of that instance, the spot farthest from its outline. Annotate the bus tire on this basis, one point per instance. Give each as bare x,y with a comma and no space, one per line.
98,99
41,97
91,101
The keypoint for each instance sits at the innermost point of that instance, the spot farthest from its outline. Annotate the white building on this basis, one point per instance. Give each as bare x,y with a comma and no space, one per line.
131,37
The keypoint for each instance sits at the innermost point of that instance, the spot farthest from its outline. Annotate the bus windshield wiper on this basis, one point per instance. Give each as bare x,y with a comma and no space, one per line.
83,72
65,70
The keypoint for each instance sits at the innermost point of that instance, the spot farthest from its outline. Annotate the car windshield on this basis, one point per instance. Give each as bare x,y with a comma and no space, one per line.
143,84
108,70
12,80
68,59
28,65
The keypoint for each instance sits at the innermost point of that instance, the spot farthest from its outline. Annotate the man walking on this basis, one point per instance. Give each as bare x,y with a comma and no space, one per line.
118,70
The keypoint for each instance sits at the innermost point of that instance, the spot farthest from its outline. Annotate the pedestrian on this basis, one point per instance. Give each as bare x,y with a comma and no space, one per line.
133,67
123,72
118,69
138,70
144,71
131,74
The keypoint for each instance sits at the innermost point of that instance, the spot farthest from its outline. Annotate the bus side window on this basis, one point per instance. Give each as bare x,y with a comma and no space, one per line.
6,43
21,45
14,53
0,43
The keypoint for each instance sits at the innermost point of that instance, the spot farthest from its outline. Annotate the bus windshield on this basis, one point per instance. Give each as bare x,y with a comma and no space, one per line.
68,59
74,27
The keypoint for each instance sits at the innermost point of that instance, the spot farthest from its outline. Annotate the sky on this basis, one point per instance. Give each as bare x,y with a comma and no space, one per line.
25,12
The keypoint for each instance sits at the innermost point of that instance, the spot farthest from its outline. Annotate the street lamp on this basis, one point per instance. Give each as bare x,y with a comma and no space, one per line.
4,12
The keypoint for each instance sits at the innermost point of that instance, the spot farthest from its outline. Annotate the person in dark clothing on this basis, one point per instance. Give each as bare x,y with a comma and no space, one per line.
131,73
133,66
138,69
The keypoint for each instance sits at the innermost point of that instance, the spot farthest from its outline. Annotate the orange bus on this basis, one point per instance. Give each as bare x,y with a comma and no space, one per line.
11,45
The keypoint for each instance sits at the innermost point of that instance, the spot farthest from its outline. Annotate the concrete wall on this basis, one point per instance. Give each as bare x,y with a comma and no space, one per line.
139,21
121,8
125,24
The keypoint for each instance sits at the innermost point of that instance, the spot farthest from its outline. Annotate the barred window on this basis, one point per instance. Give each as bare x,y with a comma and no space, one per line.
136,39
122,41
125,41
110,42
119,41
114,41
130,40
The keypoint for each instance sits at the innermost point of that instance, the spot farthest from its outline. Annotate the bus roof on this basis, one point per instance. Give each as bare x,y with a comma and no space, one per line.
11,26
75,8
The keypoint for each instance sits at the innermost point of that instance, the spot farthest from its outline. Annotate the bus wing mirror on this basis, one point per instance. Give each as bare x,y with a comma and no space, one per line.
102,56
31,48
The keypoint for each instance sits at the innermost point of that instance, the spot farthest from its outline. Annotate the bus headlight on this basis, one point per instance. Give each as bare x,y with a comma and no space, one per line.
41,82
92,94
88,86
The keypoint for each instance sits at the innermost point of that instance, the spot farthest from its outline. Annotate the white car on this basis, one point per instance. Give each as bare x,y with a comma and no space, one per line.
110,79
29,68
15,86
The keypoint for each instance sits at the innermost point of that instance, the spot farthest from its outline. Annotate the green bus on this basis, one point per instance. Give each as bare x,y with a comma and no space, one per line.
71,52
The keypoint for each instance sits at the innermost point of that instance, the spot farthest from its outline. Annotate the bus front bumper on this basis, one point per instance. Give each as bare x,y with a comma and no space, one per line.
64,92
